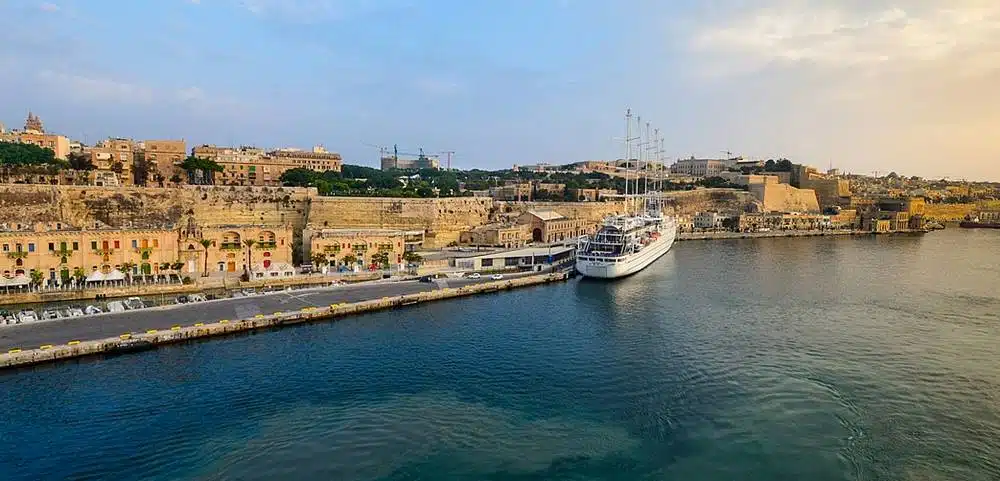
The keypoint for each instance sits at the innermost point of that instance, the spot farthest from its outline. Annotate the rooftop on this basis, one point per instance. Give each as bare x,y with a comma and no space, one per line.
546,214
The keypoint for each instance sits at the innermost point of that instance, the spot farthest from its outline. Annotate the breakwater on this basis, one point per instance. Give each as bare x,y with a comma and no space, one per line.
137,341
687,236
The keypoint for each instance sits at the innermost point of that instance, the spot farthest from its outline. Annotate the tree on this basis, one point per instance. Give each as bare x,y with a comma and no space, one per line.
298,177
176,178
36,278
80,161
141,170
249,243
206,243
127,270
27,154
318,259
201,167
350,260
412,257
381,259
80,275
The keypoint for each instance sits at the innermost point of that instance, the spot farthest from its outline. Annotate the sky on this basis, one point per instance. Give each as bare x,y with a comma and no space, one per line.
907,86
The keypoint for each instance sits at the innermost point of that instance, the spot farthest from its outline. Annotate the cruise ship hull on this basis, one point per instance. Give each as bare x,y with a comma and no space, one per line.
626,265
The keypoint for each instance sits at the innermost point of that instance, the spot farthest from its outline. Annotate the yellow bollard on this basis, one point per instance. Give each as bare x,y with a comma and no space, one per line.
224,321
46,346
258,316
13,351
125,336
72,343
175,328
199,324
151,331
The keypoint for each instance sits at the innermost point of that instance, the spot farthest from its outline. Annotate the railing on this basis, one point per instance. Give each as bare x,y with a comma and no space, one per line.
266,245
227,246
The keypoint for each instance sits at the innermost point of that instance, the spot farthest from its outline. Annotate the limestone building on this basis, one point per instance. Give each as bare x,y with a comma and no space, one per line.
551,226
113,158
61,253
34,133
253,166
496,235
167,157
353,248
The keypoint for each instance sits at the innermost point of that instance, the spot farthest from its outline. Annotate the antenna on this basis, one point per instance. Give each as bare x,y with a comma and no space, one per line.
450,153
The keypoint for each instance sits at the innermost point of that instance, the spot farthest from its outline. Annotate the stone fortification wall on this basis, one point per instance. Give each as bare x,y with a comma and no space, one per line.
690,202
137,207
785,198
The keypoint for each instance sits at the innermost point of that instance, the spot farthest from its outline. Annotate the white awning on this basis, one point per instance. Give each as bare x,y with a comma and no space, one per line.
17,281
115,275
95,276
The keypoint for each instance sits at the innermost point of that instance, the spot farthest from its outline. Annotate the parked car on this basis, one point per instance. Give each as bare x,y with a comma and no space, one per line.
496,277
474,275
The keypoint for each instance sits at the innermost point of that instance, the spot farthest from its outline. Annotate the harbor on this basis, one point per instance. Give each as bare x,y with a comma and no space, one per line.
132,330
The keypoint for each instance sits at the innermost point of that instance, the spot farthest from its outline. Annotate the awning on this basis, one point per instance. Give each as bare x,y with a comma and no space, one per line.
115,275
95,276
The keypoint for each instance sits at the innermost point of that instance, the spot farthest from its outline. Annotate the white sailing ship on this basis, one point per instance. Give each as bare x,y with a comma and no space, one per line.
628,243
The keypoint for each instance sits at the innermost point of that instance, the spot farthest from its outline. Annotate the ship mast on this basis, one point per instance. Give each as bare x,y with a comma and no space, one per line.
628,155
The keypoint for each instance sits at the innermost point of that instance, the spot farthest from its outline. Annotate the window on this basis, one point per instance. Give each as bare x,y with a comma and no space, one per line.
117,244
93,245
52,246
135,244
156,242
6,247
76,246
62,246
31,247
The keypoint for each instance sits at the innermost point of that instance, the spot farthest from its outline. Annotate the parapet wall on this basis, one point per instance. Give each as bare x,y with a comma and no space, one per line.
151,207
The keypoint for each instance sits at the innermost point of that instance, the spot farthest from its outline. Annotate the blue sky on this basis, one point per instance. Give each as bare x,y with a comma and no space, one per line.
863,85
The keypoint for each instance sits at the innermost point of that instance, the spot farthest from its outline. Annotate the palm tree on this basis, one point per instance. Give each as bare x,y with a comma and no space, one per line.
206,243
249,243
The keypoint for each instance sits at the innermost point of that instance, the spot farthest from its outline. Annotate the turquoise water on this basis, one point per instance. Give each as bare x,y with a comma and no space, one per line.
779,359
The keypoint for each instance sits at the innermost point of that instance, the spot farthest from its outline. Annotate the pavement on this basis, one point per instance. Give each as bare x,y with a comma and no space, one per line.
60,331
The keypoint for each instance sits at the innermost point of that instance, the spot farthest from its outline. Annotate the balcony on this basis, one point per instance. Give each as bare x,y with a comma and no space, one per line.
230,246
266,245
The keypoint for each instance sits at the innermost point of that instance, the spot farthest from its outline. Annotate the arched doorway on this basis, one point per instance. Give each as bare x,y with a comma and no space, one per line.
536,234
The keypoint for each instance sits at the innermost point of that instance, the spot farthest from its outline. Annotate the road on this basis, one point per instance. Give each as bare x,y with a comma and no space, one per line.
60,331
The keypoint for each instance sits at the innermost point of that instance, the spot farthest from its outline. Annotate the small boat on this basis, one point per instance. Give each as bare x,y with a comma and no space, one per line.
6,318
91,310
197,298
50,314
74,312
182,299
133,303
26,316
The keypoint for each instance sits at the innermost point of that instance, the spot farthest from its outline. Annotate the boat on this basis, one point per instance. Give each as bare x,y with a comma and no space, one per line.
50,314
6,318
196,298
91,310
74,312
981,220
628,243
26,316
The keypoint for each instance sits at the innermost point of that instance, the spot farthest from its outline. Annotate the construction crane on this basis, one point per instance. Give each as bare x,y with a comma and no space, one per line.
449,153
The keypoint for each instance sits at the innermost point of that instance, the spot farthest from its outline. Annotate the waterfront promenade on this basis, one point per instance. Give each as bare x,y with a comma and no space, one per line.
61,331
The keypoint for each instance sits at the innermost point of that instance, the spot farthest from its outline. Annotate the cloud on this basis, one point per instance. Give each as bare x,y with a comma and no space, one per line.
872,85
317,11
833,36
96,88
